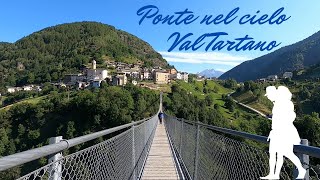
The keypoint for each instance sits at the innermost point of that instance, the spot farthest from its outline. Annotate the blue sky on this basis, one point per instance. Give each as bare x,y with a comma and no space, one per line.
20,18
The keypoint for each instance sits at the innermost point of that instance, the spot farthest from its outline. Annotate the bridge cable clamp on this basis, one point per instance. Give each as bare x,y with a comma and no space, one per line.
66,140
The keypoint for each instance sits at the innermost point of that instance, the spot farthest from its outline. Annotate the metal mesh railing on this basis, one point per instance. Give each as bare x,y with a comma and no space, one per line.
189,147
120,157
212,155
226,158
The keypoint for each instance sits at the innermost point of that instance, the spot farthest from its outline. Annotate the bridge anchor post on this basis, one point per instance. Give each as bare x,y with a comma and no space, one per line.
56,168
304,160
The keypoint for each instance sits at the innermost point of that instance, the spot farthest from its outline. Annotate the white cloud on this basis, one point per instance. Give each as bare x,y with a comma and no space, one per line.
204,57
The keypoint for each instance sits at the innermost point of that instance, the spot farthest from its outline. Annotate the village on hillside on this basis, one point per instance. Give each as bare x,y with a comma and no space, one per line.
274,78
120,74
123,73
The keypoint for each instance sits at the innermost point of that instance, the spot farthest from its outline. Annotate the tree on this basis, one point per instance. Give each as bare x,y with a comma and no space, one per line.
247,86
55,76
250,86
47,87
148,64
140,107
304,93
12,80
191,78
230,104
315,101
230,83
4,140
21,130
236,114
12,173
309,127
70,130
205,90
34,134
48,77
97,119
215,89
240,89
31,78
103,84
175,88
216,107
209,100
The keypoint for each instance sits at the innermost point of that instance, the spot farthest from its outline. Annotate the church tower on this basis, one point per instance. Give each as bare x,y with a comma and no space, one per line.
94,65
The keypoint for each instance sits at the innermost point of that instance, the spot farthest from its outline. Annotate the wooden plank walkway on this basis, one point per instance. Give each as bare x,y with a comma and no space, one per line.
160,163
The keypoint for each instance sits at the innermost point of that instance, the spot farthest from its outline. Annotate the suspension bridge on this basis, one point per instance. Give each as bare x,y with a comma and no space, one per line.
176,149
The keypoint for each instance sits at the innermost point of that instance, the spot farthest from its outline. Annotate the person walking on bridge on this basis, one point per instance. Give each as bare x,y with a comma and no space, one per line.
160,116
284,134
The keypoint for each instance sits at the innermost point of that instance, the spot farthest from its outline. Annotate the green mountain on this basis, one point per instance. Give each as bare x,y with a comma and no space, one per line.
290,58
52,52
312,72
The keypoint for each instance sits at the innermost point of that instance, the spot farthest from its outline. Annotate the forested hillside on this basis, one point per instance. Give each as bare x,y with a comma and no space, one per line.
52,52
207,101
312,72
306,98
26,125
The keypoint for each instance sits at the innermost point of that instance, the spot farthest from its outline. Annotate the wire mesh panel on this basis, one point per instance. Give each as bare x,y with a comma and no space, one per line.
174,131
188,143
188,146
225,158
142,143
120,157
219,157
314,171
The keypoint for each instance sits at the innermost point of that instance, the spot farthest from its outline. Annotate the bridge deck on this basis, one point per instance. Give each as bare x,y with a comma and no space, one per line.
160,163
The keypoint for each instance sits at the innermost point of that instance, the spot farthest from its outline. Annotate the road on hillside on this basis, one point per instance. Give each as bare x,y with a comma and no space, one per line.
248,107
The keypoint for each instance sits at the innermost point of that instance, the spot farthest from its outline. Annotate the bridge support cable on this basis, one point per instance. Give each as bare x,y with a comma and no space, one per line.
210,152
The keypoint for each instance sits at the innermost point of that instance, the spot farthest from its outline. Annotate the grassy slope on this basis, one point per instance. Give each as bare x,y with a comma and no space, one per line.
191,87
259,103
247,121
166,88
263,105
197,89
30,101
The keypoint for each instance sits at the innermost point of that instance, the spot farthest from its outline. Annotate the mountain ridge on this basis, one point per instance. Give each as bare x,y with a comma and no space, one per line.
50,53
209,73
293,57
